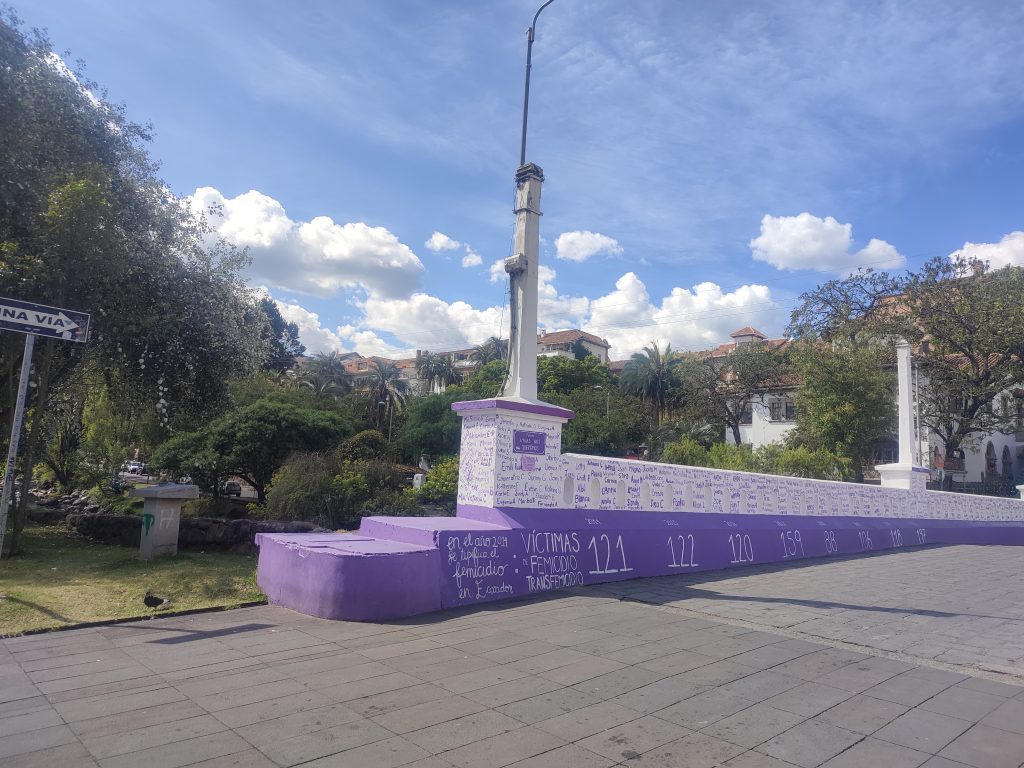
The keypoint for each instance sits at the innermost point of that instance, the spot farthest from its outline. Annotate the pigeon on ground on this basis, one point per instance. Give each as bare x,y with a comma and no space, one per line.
155,601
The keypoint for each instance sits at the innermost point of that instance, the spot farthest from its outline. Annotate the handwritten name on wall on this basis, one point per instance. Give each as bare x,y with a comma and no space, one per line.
496,472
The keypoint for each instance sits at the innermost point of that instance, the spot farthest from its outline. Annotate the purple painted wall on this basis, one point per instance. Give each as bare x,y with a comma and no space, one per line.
532,520
401,567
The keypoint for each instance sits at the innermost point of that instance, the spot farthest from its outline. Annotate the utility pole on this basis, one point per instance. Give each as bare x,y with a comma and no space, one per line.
521,381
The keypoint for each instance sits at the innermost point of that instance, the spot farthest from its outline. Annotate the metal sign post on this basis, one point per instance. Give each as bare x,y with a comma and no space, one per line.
32,320
12,450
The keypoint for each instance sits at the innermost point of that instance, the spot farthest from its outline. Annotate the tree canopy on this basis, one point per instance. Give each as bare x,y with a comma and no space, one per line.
846,403
86,224
721,389
651,375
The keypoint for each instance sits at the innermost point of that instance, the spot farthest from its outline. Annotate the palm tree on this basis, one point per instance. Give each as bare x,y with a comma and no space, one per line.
325,367
437,370
651,375
387,389
426,367
446,373
323,387
493,349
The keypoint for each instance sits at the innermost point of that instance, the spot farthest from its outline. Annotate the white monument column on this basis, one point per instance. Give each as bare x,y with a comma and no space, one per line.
905,403
904,473
521,383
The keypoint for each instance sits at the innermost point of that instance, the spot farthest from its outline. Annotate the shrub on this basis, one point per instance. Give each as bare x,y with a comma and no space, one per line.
820,464
330,491
303,489
739,458
365,446
442,484
685,451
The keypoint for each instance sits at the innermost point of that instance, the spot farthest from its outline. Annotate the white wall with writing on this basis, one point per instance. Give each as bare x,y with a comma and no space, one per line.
494,474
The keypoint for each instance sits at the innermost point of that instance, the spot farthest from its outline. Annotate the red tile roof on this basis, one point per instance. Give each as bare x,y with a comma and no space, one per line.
747,331
568,337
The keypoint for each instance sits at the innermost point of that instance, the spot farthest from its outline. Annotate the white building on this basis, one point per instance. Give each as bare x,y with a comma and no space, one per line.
996,457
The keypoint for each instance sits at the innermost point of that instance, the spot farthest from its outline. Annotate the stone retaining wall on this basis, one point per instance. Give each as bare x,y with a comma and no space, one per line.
194,533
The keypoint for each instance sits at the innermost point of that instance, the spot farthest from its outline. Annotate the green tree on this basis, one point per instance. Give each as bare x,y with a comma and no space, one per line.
651,375
722,389
252,442
85,223
803,462
493,348
685,451
431,427
484,383
442,483
281,337
607,422
967,329
845,404
558,375
437,370
966,325
192,454
368,445
387,389
850,310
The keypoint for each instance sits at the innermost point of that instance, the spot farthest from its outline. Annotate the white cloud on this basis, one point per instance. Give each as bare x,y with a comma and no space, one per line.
697,318
554,310
427,322
311,332
317,257
471,259
1009,250
809,242
580,246
439,241
344,338
496,271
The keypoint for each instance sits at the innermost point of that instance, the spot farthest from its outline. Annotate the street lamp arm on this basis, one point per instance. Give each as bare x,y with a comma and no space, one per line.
526,93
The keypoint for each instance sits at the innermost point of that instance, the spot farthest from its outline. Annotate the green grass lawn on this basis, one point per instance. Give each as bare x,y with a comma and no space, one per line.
62,580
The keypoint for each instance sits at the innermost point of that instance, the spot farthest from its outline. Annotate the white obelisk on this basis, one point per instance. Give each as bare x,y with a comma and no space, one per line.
521,383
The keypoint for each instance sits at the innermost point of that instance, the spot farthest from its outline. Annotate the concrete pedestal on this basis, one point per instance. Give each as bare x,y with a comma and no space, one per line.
905,476
161,516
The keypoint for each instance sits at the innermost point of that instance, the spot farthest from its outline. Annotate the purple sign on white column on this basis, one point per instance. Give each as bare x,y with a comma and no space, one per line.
524,441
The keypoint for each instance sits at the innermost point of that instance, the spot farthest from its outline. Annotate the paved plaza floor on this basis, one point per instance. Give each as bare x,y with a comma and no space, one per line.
897,660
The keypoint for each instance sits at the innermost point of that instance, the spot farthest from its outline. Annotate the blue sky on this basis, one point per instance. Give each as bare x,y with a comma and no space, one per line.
706,161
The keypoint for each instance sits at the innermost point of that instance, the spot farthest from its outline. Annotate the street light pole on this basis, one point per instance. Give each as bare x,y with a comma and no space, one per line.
607,399
526,90
522,267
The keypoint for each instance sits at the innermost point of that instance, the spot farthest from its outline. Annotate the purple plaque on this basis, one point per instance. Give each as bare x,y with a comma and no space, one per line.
528,442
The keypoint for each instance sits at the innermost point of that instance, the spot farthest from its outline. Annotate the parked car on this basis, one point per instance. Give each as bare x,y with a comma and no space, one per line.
135,468
230,488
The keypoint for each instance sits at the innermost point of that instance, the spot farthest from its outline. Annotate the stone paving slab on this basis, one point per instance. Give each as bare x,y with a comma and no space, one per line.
904,659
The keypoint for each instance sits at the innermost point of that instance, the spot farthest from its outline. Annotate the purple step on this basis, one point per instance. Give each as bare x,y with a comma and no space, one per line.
347,576
410,566
423,531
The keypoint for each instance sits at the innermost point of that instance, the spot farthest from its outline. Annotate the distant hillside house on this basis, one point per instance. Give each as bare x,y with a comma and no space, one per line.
566,344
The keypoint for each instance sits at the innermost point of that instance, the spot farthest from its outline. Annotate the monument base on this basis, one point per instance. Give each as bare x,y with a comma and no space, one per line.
905,476
397,567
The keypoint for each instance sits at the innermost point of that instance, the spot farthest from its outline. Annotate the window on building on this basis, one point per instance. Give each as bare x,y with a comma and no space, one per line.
1007,463
991,470
885,452
781,410
747,416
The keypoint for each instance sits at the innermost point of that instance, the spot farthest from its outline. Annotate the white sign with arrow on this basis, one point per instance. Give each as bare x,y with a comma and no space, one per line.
32,320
